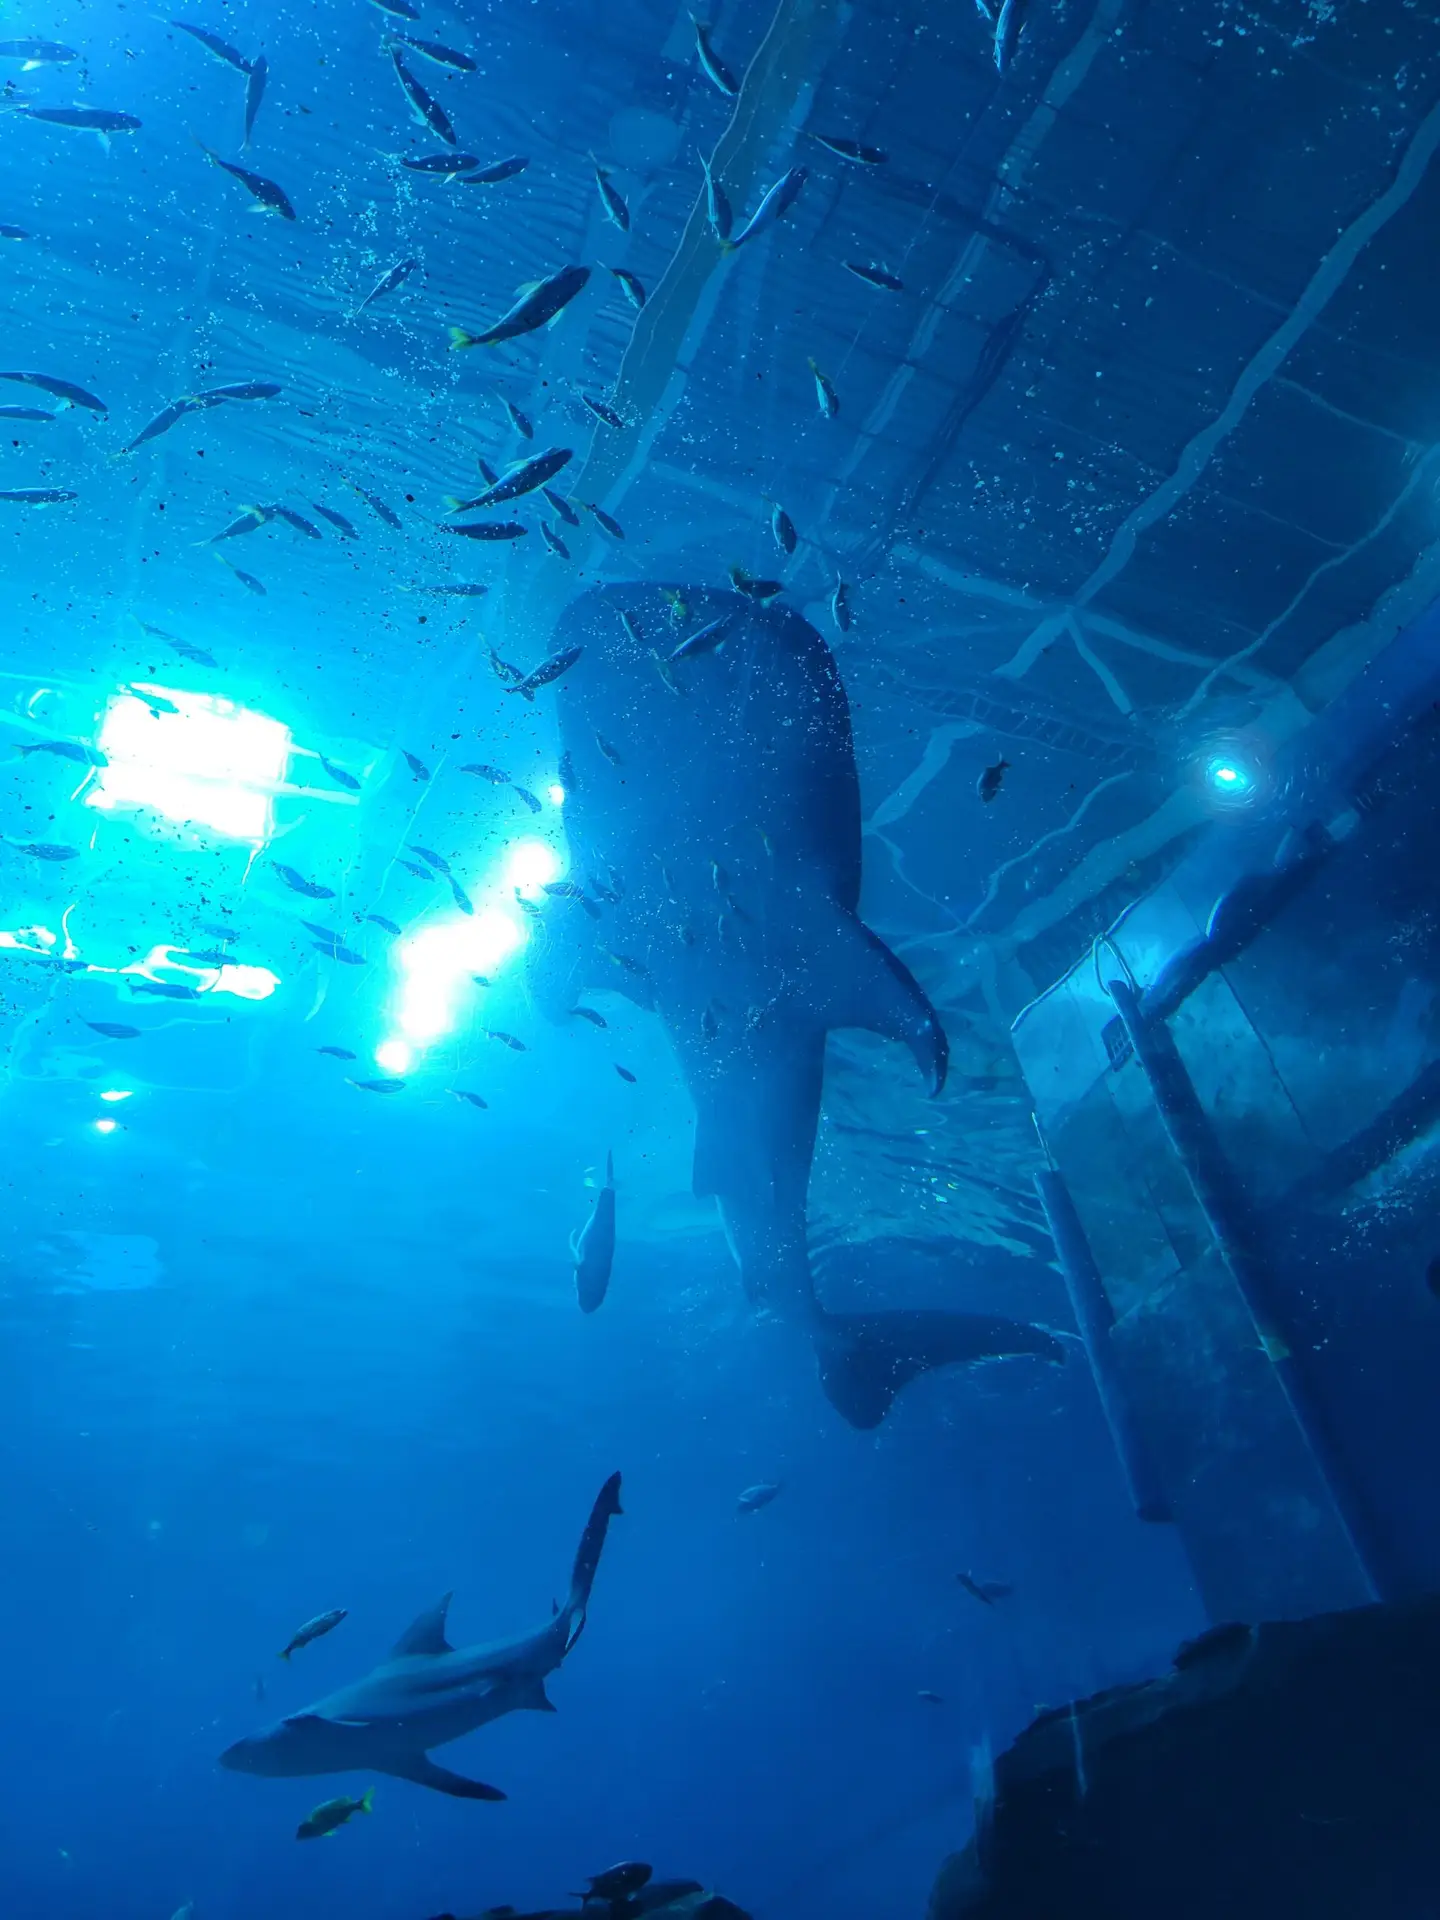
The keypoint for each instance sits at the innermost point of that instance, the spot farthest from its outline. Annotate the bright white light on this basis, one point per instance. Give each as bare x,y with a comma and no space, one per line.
1229,779
207,762
394,1055
529,865
106,1126
112,1094
556,795
246,983
436,964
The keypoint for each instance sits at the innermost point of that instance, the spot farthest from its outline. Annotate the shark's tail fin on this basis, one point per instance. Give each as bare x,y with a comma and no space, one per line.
587,1558
866,1358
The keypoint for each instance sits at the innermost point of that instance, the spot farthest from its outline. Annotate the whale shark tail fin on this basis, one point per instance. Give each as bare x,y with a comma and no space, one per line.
866,1358
587,1559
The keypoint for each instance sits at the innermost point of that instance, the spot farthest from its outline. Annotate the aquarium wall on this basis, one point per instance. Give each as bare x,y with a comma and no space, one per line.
1236,1087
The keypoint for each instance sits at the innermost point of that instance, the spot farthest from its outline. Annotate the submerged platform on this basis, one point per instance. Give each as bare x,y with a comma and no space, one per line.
1287,1770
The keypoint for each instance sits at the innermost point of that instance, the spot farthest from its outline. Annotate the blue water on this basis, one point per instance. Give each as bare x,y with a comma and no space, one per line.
273,1343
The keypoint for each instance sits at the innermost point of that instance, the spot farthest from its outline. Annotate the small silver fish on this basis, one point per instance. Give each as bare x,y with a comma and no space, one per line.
718,211
876,277
713,67
783,528
269,197
345,528
753,1498
849,149
630,286
388,282
613,201
775,204
497,171
426,108
376,505
705,640
449,163
441,56
826,397
592,1248
604,520
603,411
547,671
322,1623
297,883
534,309
212,43
254,93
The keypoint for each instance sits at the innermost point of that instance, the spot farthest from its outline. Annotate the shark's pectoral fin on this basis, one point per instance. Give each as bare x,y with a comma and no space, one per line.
423,1771
866,1358
535,1698
871,988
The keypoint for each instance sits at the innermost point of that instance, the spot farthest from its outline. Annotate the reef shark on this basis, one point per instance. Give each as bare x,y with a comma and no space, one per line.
712,811
428,1693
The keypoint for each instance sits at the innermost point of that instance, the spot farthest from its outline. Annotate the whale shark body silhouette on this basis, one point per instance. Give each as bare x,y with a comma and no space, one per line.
712,808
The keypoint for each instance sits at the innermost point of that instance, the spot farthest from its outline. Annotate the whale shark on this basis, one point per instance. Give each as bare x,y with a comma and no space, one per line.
712,814
427,1692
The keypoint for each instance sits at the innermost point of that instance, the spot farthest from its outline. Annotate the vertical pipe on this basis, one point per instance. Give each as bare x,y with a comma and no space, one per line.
1240,1241
1095,1318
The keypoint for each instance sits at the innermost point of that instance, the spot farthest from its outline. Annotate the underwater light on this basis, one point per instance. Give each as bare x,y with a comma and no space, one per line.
112,1094
1231,769
192,757
556,795
395,1056
529,866
106,1126
437,963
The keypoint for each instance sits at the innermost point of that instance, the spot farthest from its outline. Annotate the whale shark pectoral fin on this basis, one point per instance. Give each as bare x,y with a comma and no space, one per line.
866,1358
423,1771
875,990
426,1633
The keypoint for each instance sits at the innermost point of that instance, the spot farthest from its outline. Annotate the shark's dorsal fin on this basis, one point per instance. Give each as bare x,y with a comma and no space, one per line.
425,1634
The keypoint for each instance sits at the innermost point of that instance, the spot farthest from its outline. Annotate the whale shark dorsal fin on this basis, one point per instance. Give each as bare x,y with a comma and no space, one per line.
425,1634
871,988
